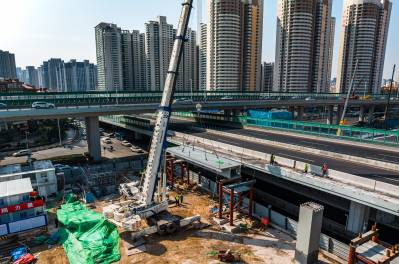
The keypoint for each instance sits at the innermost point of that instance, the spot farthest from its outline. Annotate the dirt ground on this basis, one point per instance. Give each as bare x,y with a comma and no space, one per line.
197,245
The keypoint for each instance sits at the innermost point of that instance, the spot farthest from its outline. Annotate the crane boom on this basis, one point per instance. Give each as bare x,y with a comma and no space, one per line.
161,125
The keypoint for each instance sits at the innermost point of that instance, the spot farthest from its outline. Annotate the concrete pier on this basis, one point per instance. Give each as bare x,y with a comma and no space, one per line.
93,137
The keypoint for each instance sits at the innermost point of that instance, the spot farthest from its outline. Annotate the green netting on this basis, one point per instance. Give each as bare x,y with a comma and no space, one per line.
86,236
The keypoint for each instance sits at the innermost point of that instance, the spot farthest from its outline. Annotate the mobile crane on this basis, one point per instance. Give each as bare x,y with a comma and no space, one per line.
140,203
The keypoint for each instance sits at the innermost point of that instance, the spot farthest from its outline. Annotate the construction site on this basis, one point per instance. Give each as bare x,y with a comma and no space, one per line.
178,203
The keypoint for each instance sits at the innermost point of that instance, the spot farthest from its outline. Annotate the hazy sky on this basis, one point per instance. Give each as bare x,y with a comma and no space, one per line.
36,30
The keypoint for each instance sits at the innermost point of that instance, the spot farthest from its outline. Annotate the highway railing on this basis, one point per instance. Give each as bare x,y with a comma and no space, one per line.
125,97
360,134
369,135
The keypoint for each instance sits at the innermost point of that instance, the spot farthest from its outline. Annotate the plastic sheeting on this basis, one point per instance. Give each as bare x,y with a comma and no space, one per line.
18,253
86,236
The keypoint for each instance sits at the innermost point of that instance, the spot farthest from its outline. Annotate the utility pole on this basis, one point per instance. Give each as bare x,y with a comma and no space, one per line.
348,95
386,115
59,131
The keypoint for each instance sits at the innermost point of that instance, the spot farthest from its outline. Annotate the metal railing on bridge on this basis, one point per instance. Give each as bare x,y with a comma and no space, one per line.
369,135
125,97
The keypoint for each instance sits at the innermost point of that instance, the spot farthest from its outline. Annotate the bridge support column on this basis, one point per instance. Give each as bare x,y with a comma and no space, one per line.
330,114
371,114
93,138
357,218
308,233
362,113
301,110
339,114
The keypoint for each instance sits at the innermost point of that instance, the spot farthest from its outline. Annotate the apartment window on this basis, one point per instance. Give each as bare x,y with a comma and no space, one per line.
2,202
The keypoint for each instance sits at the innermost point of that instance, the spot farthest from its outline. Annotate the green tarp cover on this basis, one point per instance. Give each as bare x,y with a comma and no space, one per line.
86,236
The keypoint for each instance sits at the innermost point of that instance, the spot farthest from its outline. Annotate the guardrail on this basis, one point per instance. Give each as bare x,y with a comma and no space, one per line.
369,135
99,98
359,134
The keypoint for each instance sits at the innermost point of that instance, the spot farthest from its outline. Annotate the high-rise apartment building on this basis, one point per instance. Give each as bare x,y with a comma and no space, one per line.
303,46
267,77
127,60
22,75
202,57
187,77
8,69
50,71
109,57
32,76
234,44
362,41
76,76
139,61
159,37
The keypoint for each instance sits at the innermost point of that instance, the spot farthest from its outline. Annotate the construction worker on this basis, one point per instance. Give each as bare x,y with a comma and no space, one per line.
272,159
181,198
56,221
177,200
306,168
324,170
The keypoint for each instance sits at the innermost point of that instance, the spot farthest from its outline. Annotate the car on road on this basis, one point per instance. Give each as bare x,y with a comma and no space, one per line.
21,153
309,99
183,101
43,105
226,98
126,143
136,150
3,105
107,140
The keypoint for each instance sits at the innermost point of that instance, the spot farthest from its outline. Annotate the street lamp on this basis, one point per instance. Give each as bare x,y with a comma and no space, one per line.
59,131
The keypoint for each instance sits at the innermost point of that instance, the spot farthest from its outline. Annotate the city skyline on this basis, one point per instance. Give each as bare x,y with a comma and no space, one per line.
81,28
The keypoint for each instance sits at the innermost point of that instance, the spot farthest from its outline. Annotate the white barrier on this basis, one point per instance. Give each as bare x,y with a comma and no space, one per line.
285,162
387,188
377,163
27,224
3,230
352,179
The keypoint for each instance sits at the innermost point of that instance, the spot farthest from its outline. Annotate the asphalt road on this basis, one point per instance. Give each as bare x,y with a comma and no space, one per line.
354,150
366,171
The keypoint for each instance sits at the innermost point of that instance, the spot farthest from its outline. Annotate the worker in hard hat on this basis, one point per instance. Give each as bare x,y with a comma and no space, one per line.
324,170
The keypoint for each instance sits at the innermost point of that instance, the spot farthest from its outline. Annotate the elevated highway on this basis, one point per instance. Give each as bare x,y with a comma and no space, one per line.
18,106
366,171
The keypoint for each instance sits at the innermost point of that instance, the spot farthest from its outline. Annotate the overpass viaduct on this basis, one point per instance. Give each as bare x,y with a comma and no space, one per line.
91,105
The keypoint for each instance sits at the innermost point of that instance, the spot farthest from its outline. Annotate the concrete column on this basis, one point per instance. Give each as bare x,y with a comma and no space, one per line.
357,218
330,114
93,138
362,113
371,114
339,114
308,233
301,110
